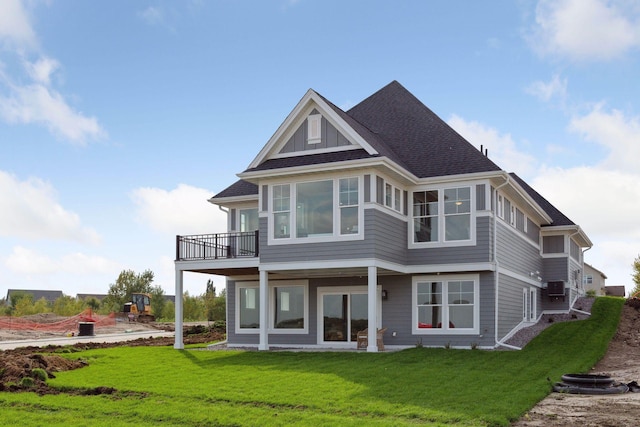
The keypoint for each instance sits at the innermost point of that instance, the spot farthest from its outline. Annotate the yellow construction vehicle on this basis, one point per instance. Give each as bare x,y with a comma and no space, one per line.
139,309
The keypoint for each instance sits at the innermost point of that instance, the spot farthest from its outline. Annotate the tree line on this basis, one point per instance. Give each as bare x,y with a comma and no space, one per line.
209,306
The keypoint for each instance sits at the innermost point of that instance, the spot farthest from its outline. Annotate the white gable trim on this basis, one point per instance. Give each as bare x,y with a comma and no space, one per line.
308,102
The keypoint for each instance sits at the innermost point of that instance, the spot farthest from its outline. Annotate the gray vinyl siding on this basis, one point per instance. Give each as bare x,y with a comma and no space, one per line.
516,253
533,231
510,304
456,254
232,218
329,138
574,250
385,239
555,269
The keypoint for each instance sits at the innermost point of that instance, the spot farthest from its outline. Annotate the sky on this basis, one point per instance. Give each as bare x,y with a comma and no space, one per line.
119,119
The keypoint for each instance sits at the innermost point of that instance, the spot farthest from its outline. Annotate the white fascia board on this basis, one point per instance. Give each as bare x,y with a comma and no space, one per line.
306,103
223,201
220,263
458,178
322,168
573,229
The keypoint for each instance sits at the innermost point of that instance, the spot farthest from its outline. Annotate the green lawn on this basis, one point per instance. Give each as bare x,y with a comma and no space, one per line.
418,386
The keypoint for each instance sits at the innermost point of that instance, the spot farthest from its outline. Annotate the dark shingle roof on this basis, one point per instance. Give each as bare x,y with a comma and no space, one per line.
417,137
238,188
557,217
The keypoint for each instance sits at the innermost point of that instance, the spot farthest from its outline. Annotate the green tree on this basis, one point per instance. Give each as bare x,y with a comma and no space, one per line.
68,306
158,301
24,306
636,275
210,300
127,283
168,312
193,308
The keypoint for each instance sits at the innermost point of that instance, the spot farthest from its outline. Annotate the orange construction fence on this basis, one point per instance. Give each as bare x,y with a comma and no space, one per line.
68,324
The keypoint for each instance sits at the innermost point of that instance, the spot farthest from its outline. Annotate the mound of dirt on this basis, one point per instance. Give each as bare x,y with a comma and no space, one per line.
622,363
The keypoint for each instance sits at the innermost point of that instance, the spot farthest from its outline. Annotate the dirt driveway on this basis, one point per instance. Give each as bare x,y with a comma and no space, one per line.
622,363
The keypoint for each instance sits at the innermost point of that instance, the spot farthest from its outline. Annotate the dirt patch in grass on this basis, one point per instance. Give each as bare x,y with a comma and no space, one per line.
28,368
622,363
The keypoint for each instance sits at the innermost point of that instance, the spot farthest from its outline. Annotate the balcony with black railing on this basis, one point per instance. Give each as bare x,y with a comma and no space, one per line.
217,246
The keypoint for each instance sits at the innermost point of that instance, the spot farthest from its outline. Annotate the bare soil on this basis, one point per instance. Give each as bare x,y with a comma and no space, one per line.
622,363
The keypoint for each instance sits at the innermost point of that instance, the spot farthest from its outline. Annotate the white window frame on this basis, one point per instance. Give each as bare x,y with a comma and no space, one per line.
271,295
533,304
328,237
441,218
445,330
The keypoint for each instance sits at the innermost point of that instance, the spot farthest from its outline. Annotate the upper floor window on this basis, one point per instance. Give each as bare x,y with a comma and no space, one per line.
322,208
442,215
248,219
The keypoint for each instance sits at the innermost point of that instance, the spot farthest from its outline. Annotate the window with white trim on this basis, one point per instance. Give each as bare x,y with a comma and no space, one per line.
288,307
323,209
447,209
445,304
281,211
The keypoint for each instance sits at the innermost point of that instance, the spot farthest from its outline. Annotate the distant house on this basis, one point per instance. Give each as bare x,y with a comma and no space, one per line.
615,291
99,297
382,217
594,280
50,296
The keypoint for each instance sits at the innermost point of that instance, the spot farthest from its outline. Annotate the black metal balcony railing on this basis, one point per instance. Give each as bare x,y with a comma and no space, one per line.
217,246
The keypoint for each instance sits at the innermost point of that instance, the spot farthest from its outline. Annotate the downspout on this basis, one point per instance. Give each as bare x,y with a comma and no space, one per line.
496,263
569,263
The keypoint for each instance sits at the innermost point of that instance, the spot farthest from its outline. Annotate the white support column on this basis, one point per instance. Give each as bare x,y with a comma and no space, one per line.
179,342
264,304
372,294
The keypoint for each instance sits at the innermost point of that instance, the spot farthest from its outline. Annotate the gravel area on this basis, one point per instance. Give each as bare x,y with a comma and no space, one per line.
523,336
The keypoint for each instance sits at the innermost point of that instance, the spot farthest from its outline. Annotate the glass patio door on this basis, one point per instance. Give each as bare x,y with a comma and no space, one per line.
344,314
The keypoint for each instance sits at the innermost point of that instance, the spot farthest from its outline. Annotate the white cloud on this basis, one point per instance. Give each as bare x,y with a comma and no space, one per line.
586,29
554,89
30,210
41,70
501,147
15,29
614,131
39,104
26,261
184,210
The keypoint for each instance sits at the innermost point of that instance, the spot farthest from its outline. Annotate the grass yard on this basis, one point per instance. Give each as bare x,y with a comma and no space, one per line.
418,386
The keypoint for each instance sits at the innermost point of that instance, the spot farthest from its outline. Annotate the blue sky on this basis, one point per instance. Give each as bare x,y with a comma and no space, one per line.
119,119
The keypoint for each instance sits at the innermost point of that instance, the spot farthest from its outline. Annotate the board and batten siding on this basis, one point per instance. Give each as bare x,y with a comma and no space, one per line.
329,138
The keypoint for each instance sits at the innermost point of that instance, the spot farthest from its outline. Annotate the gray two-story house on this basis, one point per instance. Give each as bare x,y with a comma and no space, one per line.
382,217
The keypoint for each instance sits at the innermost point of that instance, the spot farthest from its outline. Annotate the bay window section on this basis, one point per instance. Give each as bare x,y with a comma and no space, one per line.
318,210
349,198
281,211
425,216
314,208
457,213
442,215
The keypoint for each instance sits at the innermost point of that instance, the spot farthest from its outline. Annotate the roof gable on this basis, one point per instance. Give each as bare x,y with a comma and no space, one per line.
294,136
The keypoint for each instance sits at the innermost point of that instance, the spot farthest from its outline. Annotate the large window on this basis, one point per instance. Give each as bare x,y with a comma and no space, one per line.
320,209
445,304
442,215
288,307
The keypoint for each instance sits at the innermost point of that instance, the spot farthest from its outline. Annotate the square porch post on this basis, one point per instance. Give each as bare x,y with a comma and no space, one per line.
179,342
372,293
264,296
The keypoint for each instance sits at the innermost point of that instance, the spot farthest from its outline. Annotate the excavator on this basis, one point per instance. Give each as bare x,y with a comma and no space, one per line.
139,309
